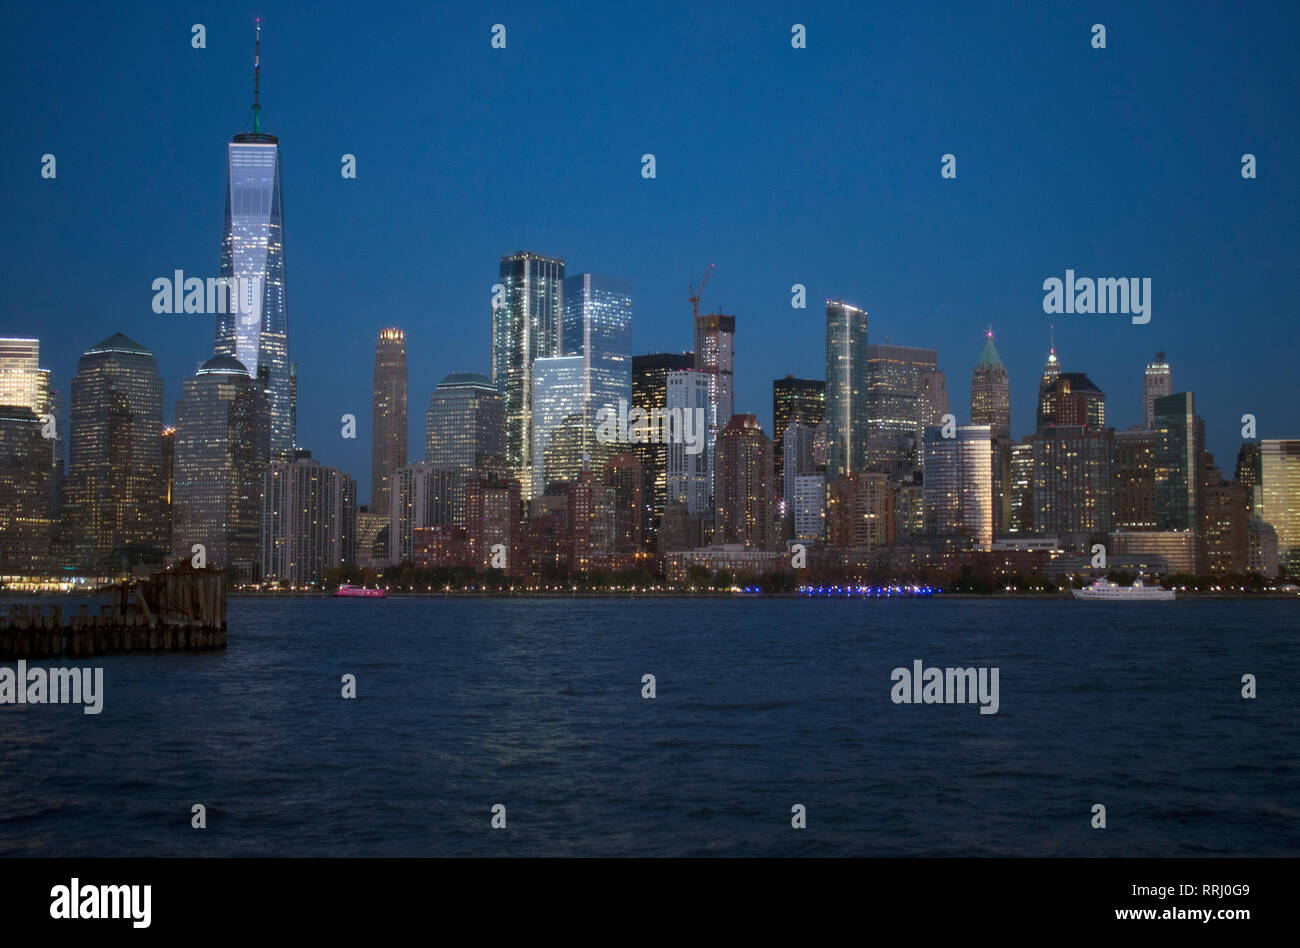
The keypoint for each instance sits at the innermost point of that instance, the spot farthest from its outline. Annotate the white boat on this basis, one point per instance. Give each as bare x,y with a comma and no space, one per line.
1104,589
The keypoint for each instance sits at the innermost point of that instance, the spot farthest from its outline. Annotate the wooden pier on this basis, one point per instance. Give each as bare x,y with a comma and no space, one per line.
181,610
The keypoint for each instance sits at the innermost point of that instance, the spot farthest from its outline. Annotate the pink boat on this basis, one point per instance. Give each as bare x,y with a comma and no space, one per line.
362,592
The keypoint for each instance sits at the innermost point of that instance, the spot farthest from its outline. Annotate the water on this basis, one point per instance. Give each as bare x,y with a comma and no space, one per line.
762,704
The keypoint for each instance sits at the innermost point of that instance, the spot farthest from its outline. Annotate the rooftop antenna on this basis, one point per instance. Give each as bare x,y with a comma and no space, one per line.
257,76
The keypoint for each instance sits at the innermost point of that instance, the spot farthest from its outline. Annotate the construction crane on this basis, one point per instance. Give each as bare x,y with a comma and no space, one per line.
695,294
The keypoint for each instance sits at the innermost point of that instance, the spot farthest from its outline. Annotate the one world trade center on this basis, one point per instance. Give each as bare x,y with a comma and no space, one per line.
256,330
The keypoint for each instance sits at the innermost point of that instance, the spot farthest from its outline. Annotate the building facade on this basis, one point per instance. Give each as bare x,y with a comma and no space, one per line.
846,389
388,427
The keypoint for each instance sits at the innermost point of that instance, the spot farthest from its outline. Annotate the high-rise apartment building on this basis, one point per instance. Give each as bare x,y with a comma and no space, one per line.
794,399
688,479
860,512
649,392
424,495
625,482
894,408
846,389
388,427
744,495
309,521
715,357
1072,481
958,488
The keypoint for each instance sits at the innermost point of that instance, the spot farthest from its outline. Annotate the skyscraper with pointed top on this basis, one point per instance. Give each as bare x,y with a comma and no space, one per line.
1157,382
990,391
256,332
1051,372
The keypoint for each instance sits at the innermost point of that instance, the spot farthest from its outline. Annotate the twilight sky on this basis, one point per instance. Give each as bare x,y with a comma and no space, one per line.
818,166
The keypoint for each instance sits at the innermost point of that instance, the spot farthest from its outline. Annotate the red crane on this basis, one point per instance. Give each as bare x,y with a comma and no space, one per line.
695,294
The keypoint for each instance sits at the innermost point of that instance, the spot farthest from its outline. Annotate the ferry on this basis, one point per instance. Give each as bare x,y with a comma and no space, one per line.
1104,589
360,592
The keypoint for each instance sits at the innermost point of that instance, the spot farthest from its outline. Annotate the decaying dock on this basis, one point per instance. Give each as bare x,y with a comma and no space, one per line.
182,609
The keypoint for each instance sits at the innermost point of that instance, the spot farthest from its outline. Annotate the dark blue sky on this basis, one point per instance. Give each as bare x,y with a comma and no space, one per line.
818,166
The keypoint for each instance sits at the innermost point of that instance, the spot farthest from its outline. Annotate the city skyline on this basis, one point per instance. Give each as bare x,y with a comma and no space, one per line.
917,291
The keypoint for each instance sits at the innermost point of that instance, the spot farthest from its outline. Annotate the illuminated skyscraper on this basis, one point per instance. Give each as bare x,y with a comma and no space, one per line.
715,356
25,521
688,479
252,252
846,389
1051,371
959,484
744,495
560,423
1157,382
388,430
525,326
794,399
309,521
597,326
1072,483
895,413
20,374
423,495
625,482
1279,495
220,454
465,430
1133,480
115,481
990,392
649,392
1179,446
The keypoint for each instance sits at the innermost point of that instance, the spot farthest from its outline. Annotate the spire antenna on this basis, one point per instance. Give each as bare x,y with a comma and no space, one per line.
257,76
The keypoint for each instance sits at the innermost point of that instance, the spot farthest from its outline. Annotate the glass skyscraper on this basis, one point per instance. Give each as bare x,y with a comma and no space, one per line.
689,480
561,430
959,484
794,400
846,389
526,326
20,374
1279,495
597,326
894,408
220,455
115,479
649,392
715,356
1179,445
252,251
465,425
